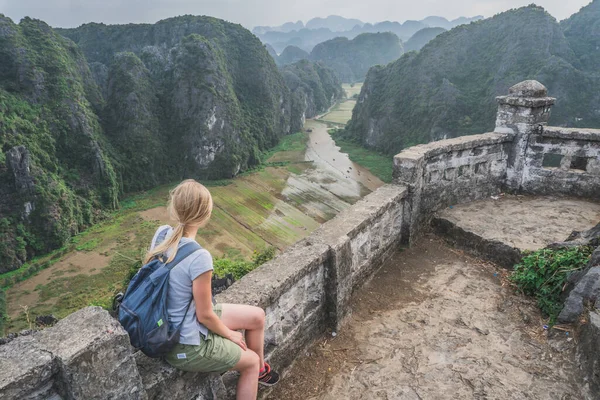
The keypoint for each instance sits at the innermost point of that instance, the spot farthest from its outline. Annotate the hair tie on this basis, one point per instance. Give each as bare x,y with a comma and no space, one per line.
181,225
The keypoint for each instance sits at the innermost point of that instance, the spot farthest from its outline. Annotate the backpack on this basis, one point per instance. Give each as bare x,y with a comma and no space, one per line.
143,310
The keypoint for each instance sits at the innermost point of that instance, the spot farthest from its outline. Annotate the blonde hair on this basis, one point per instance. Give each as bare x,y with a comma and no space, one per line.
190,203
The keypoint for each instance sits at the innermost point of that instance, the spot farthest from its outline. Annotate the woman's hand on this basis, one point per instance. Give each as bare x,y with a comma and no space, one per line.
237,338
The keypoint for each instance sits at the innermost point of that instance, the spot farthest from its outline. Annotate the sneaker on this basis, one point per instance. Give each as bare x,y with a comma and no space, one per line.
268,376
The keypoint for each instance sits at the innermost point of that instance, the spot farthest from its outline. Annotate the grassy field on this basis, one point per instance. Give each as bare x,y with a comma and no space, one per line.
352,89
341,113
380,165
250,215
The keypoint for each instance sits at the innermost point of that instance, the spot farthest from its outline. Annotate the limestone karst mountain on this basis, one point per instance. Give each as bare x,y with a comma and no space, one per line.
55,164
314,87
319,30
100,110
421,38
351,59
290,55
449,87
582,31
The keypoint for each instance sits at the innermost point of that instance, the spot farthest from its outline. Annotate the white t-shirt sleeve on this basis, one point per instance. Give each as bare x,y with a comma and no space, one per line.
202,263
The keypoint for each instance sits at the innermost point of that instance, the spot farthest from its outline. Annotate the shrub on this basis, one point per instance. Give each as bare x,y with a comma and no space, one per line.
543,274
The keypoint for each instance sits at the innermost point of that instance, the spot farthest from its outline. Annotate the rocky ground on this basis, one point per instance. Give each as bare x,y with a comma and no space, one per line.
437,324
515,220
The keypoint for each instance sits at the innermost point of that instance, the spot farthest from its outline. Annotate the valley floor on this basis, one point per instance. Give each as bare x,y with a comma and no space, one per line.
306,181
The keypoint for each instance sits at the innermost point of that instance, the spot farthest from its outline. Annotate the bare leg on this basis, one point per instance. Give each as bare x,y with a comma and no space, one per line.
247,387
252,320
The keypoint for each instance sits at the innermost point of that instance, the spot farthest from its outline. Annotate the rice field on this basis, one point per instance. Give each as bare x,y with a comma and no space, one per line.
275,205
341,113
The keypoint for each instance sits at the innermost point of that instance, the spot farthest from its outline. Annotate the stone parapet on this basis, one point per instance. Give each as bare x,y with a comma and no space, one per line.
85,356
562,161
447,172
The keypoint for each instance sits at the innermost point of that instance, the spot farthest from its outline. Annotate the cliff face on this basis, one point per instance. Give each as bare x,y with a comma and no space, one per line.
53,167
221,97
123,109
582,31
449,88
351,59
314,88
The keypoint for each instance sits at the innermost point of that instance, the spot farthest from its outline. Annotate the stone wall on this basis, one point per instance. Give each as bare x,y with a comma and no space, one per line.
305,291
522,155
563,161
448,172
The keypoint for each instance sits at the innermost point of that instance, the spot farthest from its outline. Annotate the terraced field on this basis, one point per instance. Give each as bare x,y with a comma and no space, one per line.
277,205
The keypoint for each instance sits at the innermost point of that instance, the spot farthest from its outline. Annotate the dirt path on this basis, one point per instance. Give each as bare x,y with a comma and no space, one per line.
435,324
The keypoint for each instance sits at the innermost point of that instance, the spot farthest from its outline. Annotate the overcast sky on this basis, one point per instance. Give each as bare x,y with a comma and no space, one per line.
71,13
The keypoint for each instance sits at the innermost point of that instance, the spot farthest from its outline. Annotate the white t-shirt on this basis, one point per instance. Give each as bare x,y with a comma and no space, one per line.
179,294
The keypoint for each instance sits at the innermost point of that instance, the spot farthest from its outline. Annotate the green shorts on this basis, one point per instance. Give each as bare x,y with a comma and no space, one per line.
214,354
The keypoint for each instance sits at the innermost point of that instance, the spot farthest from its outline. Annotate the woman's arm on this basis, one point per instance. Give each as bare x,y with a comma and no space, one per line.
202,291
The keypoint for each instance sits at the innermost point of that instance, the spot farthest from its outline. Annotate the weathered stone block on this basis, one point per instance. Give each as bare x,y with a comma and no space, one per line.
587,290
94,357
26,371
162,381
588,351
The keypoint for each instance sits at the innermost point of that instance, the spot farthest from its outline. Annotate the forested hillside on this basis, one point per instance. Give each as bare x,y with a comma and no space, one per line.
314,87
55,165
582,31
290,55
421,38
351,59
97,111
449,87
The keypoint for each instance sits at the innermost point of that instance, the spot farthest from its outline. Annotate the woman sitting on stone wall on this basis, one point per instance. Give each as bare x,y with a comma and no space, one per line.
210,341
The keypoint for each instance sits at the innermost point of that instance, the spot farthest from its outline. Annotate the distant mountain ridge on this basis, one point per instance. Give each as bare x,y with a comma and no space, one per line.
448,89
319,30
349,59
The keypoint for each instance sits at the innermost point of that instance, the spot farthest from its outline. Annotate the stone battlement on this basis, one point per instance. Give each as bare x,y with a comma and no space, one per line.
305,291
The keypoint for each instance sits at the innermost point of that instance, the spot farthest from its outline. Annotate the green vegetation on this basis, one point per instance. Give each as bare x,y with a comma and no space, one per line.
448,88
379,164
340,114
352,89
239,267
186,97
581,30
421,38
291,54
351,59
48,131
314,89
543,274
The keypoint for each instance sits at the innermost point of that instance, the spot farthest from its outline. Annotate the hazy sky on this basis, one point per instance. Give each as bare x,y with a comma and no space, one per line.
70,13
